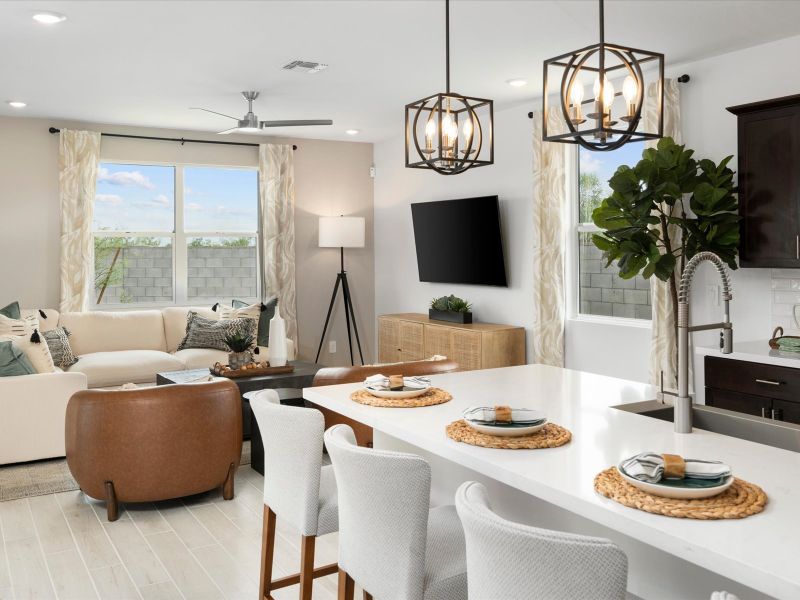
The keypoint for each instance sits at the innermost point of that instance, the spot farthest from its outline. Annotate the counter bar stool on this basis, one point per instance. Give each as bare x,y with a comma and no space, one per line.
297,488
518,562
390,542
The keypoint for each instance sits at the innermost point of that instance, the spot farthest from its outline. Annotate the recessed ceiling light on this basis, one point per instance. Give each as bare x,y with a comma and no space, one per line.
48,17
517,82
16,103
352,131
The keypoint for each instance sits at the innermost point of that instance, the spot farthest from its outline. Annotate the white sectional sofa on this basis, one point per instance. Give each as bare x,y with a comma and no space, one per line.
113,348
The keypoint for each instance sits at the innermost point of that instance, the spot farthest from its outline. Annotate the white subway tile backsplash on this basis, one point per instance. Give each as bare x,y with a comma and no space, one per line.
786,298
785,273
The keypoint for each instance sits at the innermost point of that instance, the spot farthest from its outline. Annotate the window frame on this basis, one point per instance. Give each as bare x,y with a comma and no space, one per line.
179,237
573,254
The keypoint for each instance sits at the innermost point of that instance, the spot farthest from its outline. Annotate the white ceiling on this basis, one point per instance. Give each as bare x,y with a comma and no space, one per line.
144,63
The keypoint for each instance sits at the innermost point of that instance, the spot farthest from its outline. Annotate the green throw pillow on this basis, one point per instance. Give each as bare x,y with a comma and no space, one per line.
13,361
11,311
267,312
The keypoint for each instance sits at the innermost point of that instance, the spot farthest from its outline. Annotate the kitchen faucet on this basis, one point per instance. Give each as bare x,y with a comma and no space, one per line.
683,401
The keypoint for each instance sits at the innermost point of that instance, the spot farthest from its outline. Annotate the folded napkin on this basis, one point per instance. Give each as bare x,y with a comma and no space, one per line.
381,382
789,344
495,414
652,468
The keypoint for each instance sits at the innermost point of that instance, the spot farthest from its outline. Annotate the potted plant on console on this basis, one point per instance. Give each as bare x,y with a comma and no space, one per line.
450,308
239,344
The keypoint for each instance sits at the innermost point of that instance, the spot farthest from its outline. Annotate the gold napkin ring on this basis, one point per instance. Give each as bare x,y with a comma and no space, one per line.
502,414
674,466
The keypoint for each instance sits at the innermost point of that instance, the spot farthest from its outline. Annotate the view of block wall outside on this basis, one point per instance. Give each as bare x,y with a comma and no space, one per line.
144,274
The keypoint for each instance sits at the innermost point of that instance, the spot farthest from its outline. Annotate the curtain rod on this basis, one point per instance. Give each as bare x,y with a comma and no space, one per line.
166,139
682,79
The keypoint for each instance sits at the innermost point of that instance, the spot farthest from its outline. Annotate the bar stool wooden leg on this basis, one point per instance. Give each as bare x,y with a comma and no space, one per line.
267,554
347,587
307,566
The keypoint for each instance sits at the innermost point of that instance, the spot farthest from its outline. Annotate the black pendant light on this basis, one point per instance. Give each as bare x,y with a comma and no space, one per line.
449,132
600,123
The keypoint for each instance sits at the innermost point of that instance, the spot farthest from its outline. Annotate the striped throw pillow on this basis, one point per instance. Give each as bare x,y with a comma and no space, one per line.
211,333
58,342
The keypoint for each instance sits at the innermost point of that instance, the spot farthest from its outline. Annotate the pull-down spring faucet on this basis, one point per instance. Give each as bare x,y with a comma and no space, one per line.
683,402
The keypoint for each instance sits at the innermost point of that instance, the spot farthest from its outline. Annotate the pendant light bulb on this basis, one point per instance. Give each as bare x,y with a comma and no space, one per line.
608,92
467,130
430,129
576,94
629,89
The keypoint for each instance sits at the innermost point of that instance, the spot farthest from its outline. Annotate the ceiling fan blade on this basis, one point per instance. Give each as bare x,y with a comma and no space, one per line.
227,131
213,111
296,123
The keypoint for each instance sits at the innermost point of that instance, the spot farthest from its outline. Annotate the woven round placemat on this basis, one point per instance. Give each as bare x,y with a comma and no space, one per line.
429,398
740,500
550,436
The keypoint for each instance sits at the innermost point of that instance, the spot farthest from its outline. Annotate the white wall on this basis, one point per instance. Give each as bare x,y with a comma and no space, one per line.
744,76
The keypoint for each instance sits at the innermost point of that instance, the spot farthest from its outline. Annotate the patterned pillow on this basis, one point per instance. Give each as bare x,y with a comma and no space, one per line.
58,341
210,333
24,326
267,310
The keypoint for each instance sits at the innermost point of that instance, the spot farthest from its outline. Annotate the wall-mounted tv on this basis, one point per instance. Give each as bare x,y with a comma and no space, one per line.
459,241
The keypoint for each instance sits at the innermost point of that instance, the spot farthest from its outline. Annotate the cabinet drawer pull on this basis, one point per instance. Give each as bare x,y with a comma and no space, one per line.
763,412
769,381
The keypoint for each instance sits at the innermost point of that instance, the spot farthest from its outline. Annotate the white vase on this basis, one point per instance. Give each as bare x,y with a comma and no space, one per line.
278,353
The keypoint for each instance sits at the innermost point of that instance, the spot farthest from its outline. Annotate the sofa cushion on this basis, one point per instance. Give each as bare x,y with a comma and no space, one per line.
104,369
201,358
102,331
175,318
48,317
11,311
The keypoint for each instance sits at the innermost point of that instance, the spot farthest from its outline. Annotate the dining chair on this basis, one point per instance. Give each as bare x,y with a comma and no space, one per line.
390,541
297,488
518,562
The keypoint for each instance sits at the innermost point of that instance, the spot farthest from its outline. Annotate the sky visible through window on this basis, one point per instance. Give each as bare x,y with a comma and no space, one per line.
596,168
142,198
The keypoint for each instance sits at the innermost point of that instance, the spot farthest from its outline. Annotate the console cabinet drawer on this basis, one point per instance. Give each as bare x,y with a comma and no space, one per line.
755,379
743,403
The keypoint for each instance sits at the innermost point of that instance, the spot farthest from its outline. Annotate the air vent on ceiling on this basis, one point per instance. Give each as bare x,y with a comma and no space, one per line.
304,66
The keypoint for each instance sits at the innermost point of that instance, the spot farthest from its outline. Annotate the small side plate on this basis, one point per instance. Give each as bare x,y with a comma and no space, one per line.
672,491
407,392
504,430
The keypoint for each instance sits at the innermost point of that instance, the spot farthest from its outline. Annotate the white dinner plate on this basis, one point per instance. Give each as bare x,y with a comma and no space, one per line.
504,430
398,394
668,491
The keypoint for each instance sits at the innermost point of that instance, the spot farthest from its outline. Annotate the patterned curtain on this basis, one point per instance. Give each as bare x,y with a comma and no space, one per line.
276,210
549,227
664,348
78,158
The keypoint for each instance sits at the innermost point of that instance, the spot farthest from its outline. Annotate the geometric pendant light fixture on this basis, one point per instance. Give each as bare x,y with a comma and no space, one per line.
618,77
449,132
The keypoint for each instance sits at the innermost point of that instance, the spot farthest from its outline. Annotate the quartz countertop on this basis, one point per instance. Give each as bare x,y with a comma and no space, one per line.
760,551
755,351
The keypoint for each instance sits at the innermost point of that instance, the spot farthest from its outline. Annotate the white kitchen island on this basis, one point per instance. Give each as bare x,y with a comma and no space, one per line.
669,558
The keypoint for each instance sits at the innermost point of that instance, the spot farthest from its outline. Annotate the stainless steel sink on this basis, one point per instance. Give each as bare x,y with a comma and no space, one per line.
739,425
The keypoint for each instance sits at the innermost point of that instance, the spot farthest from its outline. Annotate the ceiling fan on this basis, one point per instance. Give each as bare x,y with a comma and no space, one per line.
250,123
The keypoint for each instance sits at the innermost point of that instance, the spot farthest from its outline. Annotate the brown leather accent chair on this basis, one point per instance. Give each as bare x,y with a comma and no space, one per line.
337,375
154,443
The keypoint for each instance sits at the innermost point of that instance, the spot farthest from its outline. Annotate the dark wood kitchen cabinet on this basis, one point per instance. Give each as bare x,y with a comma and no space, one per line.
769,182
758,389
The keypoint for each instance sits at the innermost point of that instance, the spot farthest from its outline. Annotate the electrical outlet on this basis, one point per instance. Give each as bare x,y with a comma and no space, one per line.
712,294
332,347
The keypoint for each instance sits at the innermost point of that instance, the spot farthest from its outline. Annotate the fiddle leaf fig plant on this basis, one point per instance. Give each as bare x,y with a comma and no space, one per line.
665,209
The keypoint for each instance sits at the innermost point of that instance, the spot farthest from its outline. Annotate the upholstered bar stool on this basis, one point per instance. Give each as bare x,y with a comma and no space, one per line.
517,562
390,542
297,488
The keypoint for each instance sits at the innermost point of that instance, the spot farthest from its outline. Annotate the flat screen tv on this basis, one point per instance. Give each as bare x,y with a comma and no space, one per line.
459,241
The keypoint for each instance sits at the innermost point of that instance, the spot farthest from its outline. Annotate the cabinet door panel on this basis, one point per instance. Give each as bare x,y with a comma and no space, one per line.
467,349
438,341
769,180
411,341
388,340
743,403
786,411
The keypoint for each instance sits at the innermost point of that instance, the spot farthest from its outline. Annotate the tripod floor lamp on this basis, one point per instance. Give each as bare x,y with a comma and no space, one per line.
342,232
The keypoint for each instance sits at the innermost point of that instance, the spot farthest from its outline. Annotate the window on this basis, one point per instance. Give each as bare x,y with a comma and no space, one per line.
600,290
175,234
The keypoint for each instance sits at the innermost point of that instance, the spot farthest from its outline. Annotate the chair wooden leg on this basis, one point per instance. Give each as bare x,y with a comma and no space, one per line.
227,487
347,587
267,554
112,508
307,566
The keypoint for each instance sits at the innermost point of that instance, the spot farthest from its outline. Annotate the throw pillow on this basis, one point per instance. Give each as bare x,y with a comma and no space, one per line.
211,333
58,342
267,311
34,348
11,311
13,361
26,326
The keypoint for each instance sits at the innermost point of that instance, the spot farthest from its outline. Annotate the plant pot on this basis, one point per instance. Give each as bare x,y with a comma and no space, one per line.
450,316
236,360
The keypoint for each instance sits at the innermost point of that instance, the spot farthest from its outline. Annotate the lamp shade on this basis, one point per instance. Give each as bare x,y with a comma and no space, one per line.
341,232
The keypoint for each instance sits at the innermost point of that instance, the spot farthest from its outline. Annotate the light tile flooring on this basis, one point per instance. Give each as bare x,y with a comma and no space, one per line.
62,546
